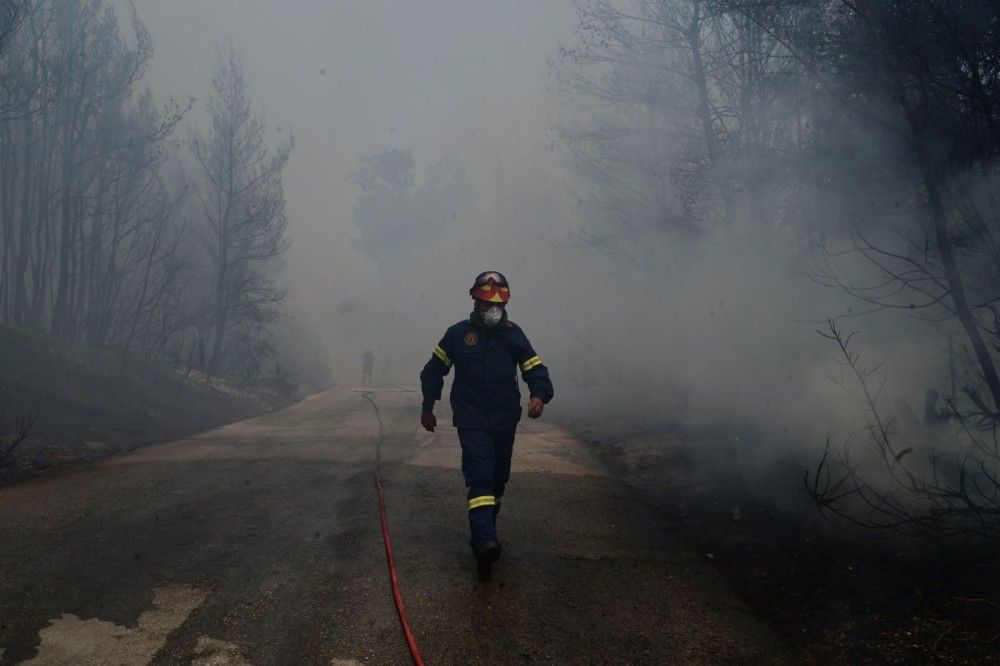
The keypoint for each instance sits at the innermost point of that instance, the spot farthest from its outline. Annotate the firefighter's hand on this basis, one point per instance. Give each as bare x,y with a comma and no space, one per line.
535,407
428,421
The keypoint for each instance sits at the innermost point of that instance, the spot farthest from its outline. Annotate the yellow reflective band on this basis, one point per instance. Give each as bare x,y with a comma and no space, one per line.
482,500
530,363
442,355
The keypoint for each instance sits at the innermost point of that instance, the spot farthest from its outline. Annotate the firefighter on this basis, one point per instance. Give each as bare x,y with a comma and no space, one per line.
367,365
485,349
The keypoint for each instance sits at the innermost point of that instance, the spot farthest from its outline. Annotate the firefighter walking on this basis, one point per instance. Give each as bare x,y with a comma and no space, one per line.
485,350
367,367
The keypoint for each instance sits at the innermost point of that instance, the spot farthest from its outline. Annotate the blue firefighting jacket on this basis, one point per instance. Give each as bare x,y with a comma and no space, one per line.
484,393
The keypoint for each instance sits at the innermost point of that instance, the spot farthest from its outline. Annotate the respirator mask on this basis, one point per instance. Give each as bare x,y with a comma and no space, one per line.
493,316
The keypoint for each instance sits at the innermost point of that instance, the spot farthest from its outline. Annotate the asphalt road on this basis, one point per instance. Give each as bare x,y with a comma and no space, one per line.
259,543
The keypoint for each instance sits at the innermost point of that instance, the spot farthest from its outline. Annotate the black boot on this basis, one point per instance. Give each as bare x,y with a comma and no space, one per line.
487,554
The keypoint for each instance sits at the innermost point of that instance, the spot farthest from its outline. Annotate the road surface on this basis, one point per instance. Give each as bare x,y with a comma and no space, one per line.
259,543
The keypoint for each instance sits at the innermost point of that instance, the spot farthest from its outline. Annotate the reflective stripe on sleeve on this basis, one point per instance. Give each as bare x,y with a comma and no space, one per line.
530,363
440,353
482,500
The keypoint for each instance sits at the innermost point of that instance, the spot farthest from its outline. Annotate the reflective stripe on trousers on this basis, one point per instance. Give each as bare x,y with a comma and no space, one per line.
486,468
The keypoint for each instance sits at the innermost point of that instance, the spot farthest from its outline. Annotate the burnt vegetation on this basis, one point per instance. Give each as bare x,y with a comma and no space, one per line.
15,428
880,480
139,248
862,137
115,232
856,140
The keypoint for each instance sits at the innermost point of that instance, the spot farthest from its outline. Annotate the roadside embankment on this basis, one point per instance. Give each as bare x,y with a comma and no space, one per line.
837,594
84,404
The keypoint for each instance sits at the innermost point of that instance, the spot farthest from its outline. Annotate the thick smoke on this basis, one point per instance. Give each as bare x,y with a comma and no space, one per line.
699,326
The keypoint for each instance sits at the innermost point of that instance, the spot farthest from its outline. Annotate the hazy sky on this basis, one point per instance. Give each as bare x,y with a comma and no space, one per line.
470,77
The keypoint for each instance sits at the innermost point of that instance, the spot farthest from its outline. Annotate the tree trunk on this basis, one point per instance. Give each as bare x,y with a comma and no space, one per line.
21,270
954,279
60,309
709,138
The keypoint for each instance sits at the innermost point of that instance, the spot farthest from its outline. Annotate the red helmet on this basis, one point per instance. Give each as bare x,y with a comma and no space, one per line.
491,286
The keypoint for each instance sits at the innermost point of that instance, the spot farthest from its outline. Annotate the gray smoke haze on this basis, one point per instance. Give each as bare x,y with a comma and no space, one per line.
709,327
357,78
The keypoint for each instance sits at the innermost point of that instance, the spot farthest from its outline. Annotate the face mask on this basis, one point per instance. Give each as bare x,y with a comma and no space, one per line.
493,316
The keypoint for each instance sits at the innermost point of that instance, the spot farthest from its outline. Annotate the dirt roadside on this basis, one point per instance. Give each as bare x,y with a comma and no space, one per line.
833,595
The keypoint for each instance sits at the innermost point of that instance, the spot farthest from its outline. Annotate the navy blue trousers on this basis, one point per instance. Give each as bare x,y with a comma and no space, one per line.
486,468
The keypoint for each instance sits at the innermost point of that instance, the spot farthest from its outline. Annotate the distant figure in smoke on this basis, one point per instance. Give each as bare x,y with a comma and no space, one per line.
367,362
485,402
385,373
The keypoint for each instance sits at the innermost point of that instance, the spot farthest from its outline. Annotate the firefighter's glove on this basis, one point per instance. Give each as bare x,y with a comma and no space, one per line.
428,421
535,407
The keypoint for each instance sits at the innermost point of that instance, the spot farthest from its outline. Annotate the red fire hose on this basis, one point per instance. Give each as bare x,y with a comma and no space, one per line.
394,580
411,642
